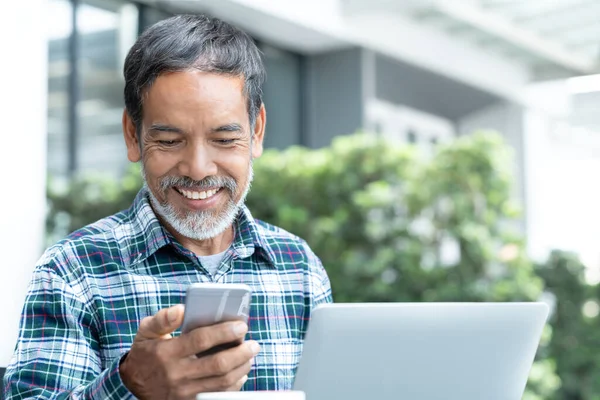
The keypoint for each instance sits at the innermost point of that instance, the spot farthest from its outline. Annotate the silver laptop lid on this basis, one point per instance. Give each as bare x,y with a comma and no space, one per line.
424,351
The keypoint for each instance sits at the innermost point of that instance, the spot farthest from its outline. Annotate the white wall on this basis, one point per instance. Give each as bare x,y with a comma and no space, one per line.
22,156
562,176
562,143
396,121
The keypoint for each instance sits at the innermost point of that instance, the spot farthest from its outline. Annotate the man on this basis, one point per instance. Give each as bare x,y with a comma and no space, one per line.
103,309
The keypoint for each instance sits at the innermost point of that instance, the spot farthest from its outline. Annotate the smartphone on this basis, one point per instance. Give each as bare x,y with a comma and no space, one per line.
211,303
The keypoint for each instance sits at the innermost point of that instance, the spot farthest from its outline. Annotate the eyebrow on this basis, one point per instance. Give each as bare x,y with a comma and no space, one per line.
233,127
165,128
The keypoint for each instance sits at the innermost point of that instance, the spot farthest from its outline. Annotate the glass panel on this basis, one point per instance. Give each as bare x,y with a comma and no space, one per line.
411,137
150,15
59,29
106,33
282,97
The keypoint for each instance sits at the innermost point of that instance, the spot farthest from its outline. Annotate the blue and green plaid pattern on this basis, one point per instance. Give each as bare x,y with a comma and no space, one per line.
90,291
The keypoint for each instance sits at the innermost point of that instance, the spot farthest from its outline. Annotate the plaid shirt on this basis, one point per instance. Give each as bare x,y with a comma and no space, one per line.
90,291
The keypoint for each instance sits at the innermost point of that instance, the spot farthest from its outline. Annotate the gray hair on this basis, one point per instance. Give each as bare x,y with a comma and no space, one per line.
185,42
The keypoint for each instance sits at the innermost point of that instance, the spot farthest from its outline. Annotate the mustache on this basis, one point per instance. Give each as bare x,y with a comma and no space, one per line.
206,183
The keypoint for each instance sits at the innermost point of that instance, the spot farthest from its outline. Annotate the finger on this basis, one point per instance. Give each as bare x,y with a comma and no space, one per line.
162,323
222,363
233,380
205,338
223,382
238,385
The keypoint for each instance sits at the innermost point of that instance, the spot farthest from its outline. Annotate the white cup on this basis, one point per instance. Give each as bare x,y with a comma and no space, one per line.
258,395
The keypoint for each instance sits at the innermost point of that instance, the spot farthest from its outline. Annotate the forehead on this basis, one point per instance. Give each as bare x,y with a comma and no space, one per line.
195,93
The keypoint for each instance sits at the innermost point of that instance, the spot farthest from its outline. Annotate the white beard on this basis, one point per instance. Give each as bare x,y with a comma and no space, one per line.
200,225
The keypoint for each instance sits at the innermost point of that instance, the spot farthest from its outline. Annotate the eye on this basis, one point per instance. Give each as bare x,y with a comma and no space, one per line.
168,143
225,141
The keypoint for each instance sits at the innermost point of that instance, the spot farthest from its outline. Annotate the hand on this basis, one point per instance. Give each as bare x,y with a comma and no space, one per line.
159,366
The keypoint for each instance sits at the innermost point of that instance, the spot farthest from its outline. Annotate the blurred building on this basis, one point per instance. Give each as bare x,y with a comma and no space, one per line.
418,71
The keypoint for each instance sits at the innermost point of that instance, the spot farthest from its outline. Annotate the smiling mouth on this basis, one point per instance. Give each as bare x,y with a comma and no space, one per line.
197,195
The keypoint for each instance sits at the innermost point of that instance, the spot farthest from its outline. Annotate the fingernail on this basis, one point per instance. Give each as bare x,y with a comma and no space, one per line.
244,379
240,329
172,313
255,347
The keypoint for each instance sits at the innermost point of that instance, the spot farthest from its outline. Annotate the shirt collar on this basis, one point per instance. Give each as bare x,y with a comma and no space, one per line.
146,235
249,239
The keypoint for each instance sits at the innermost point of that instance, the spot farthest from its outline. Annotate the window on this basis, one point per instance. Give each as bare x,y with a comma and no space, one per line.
106,34
282,96
85,85
411,136
59,68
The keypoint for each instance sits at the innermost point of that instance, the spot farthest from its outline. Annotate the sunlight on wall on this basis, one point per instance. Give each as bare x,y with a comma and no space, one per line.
563,164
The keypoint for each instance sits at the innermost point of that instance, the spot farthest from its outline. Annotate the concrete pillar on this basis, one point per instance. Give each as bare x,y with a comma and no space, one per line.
23,79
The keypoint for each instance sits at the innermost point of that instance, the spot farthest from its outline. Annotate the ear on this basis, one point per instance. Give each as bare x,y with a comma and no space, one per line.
259,132
131,139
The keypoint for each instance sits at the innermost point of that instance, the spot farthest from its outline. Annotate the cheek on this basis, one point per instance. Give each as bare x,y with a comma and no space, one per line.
238,169
158,164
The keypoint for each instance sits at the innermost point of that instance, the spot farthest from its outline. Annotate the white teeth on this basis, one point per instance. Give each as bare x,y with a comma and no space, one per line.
198,195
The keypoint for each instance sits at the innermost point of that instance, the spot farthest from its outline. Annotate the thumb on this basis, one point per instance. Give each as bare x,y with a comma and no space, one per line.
161,324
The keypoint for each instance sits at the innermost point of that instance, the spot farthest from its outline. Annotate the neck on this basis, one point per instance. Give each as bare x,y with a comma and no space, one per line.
210,246
207,247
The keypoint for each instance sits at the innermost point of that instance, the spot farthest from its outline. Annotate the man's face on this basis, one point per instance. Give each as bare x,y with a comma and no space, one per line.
197,148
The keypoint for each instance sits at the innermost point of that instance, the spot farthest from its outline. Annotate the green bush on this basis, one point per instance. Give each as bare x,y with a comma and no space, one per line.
575,344
389,223
381,216
87,199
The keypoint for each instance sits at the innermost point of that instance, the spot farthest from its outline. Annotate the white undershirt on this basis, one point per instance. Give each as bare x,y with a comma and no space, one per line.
211,263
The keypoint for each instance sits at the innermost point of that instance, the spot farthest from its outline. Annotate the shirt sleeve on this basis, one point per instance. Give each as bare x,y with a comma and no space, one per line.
57,351
319,286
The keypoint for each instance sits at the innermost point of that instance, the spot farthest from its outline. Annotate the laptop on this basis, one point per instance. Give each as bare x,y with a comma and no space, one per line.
420,351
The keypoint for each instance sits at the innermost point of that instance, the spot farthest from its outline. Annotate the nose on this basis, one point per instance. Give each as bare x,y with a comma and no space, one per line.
198,163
